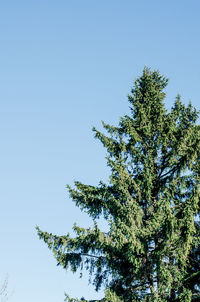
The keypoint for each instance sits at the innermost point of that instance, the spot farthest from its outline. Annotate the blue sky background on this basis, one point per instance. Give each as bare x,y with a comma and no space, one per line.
64,67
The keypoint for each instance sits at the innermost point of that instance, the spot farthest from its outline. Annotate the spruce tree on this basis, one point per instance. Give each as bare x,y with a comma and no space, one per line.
151,204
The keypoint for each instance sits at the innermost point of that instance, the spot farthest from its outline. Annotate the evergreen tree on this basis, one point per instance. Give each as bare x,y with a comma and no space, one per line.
151,203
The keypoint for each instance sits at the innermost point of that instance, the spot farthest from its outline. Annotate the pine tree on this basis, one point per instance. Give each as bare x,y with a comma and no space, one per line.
151,204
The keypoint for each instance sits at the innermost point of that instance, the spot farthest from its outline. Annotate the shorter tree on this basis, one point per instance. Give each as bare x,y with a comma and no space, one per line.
4,290
151,203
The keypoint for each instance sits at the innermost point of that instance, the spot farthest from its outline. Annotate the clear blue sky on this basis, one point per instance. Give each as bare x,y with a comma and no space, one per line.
64,67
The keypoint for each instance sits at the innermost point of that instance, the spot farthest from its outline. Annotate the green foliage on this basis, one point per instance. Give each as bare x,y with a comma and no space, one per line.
151,203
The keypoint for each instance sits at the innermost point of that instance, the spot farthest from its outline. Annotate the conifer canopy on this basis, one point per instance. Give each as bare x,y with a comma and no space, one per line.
151,204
